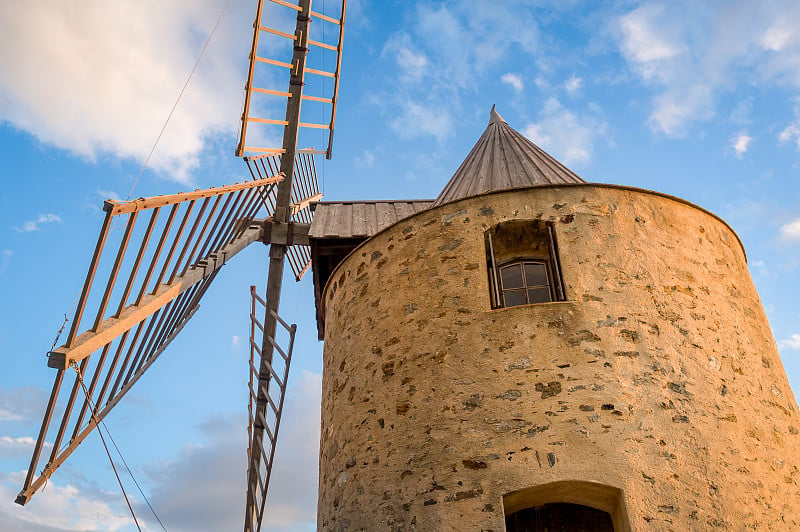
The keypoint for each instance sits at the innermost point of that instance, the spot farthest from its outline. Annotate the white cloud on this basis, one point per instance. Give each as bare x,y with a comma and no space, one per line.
108,194
514,80
366,159
445,52
413,64
102,79
235,342
14,445
573,84
22,404
416,119
645,41
34,225
740,144
204,487
777,37
792,132
791,230
792,343
57,508
568,136
691,53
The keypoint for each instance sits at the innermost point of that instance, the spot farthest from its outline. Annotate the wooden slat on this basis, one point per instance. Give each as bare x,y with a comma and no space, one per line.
122,207
303,204
317,99
314,126
88,342
360,220
323,45
279,33
320,72
268,121
272,92
325,17
336,76
273,62
287,4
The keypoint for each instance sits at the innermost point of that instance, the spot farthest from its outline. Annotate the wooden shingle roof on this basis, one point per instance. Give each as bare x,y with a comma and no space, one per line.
503,159
360,219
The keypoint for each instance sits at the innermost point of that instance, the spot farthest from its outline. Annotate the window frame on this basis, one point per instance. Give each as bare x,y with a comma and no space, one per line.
552,266
526,286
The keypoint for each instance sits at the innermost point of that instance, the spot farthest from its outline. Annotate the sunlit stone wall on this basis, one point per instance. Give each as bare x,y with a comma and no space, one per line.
659,376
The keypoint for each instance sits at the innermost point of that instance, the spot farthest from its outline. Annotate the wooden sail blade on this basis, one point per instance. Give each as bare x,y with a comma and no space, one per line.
114,326
326,54
268,381
164,267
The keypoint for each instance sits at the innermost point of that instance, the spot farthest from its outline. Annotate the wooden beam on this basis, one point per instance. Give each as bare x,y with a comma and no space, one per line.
291,234
90,341
122,207
305,203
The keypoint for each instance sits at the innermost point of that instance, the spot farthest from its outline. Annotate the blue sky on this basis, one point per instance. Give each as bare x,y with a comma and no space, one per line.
698,100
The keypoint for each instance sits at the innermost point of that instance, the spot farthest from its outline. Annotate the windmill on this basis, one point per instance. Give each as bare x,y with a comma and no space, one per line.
159,270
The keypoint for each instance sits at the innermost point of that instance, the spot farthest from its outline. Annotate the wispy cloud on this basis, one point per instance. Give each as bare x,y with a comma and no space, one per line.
429,75
573,84
108,194
568,136
667,44
792,343
423,119
14,445
35,225
235,342
181,491
366,159
791,230
514,80
792,132
740,144
21,404
58,508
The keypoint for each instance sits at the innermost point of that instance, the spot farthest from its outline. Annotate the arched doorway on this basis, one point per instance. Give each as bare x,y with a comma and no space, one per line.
558,517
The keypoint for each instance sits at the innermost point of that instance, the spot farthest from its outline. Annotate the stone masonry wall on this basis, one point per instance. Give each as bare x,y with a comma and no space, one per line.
659,376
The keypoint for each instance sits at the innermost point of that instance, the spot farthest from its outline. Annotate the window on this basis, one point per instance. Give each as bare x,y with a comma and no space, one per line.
523,264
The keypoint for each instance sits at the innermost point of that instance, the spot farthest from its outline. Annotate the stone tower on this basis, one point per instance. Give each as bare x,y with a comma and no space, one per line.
531,349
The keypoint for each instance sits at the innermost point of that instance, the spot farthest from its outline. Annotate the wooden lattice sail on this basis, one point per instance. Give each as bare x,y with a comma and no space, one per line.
162,253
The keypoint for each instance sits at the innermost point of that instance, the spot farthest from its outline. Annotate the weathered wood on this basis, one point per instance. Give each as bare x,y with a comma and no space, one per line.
305,203
320,72
323,45
272,92
317,99
272,62
112,327
325,17
122,207
279,33
112,278
336,75
268,121
291,234
282,215
287,4
251,67
87,285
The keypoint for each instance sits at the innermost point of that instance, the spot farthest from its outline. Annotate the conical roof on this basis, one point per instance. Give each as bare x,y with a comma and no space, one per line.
503,159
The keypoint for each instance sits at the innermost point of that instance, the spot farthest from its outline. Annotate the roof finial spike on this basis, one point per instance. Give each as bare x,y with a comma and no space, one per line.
494,116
